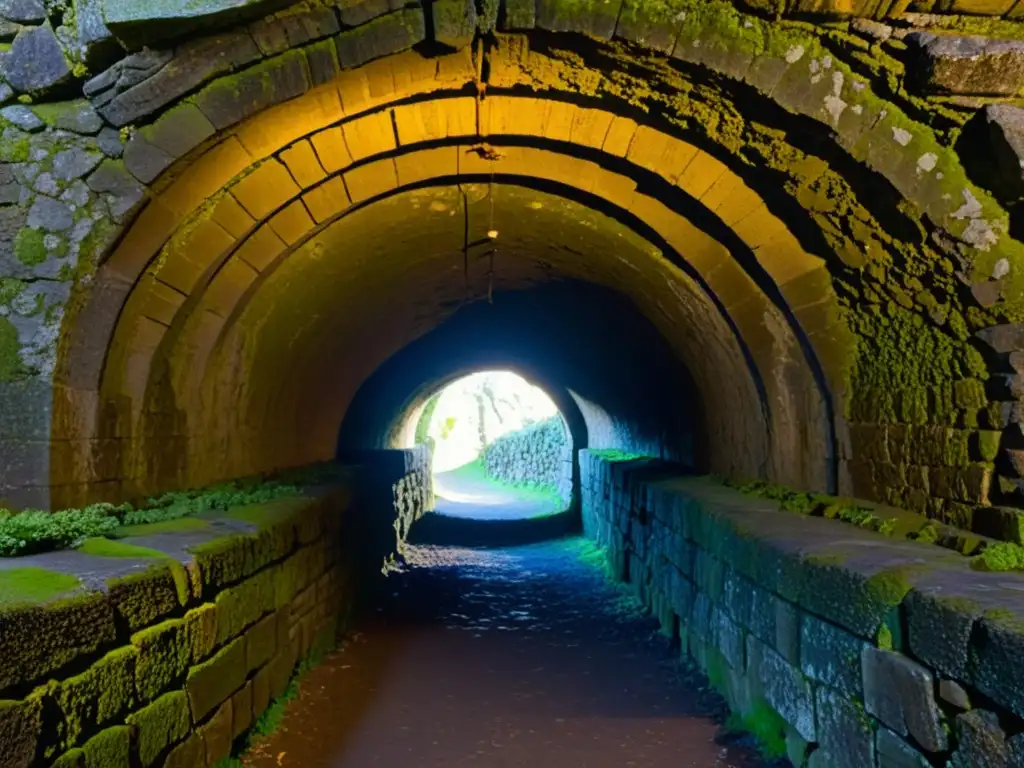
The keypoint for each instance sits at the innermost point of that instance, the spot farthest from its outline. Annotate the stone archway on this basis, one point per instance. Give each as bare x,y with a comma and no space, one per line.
821,219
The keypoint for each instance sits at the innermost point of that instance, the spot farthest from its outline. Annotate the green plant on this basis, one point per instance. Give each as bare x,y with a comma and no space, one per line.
35,531
1000,556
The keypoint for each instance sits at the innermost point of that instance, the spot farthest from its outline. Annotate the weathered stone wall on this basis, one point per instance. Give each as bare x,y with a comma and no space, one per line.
540,454
852,649
401,480
899,346
168,665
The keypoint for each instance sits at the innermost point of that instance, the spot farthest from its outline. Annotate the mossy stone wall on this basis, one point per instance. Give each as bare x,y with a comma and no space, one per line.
168,666
836,646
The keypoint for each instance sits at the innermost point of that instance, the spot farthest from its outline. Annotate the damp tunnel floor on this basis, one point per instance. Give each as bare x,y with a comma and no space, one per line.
521,656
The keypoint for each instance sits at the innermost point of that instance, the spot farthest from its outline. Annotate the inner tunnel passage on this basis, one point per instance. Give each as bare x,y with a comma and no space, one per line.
524,656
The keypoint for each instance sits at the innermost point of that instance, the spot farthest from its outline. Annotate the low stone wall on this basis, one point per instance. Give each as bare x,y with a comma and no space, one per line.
167,664
842,647
402,480
539,454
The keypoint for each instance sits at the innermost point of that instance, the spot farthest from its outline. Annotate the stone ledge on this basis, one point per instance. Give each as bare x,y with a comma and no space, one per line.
872,633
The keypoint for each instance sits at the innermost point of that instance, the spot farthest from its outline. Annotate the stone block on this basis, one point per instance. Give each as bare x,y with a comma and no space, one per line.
241,711
164,655
139,23
655,27
140,599
231,99
997,645
355,13
846,735
109,748
160,725
454,22
901,693
144,83
21,726
97,696
954,694
783,687
35,62
894,752
381,37
189,754
242,605
729,637
261,691
519,14
216,735
981,742
955,64
261,642
37,641
213,682
831,655
596,18
276,35
201,628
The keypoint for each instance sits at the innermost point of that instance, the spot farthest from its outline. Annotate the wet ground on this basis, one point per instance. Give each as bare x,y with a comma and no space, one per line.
524,656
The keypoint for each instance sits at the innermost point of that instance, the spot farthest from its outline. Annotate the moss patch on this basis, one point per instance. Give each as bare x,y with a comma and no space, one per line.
11,365
97,696
22,586
102,547
30,247
181,525
1000,557
765,725
163,723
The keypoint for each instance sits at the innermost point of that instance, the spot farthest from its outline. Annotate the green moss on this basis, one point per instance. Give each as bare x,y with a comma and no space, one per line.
10,289
102,547
889,586
164,655
15,151
765,725
160,725
97,696
30,247
999,557
142,598
11,365
884,638
615,455
20,586
109,749
180,525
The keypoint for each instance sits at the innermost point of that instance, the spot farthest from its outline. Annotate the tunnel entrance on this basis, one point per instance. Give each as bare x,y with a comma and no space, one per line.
500,448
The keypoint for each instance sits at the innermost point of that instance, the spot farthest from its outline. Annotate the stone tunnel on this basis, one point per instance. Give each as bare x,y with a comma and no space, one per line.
767,256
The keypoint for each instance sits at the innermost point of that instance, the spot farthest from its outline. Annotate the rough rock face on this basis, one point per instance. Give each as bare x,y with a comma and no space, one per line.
138,23
966,65
538,455
36,62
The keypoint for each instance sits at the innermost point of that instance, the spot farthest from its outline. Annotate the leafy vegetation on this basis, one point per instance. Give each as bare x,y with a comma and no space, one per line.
35,531
816,505
1000,556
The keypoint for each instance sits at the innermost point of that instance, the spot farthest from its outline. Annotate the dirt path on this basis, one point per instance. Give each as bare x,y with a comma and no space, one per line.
463,495
499,659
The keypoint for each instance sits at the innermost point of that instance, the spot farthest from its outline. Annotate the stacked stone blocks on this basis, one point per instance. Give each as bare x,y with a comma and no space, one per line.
862,652
539,454
173,670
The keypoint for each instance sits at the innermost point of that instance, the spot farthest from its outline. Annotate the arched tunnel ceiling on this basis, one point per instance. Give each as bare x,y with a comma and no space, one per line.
823,256
608,369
